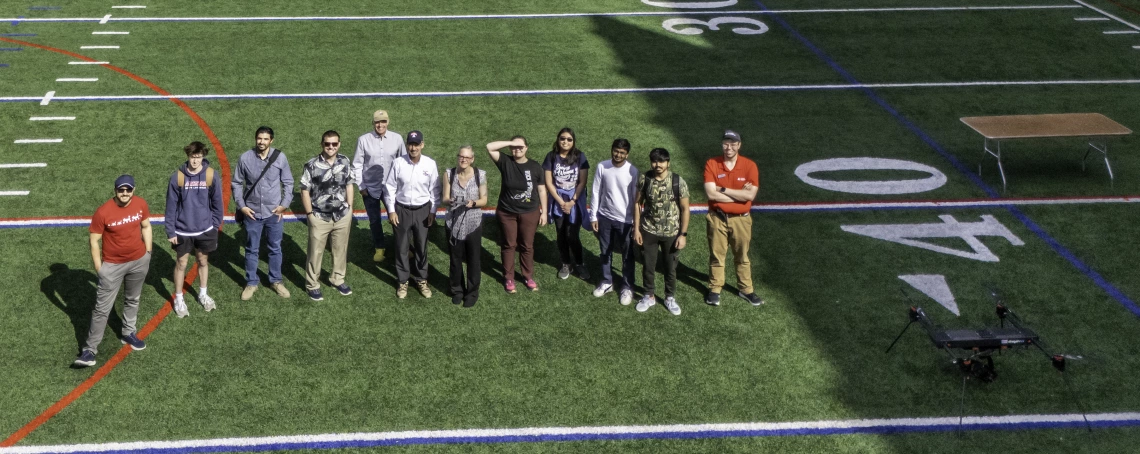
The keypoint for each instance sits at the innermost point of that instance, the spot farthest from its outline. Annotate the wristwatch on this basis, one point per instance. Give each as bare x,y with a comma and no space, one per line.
684,233
721,189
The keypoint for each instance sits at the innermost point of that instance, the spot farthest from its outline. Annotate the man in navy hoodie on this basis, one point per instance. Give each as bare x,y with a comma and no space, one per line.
193,219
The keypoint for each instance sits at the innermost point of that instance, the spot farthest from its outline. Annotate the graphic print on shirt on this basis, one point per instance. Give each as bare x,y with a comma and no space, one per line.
526,195
127,220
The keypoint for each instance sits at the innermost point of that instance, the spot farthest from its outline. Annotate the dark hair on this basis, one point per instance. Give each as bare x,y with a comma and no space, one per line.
264,129
574,153
329,133
659,155
520,136
196,147
621,144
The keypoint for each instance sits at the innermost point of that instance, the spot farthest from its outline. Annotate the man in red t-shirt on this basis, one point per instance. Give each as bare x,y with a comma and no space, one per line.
122,225
731,183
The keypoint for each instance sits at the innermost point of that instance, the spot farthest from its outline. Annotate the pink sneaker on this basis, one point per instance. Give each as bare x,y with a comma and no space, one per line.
510,286
531,284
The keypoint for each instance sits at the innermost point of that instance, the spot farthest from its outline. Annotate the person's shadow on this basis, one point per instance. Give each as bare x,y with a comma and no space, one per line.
73,292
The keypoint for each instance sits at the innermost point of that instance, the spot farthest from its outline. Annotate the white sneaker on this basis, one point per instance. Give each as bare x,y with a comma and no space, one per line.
671,304
180,308
646,302
626,297
207,302
603,289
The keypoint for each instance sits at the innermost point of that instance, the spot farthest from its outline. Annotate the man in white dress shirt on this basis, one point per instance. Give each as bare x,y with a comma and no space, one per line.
411,193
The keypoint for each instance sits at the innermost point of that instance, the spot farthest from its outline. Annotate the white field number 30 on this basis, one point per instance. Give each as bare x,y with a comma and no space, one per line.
690,26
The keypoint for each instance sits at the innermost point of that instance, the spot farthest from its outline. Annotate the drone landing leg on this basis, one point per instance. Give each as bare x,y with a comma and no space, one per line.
962,404
900,335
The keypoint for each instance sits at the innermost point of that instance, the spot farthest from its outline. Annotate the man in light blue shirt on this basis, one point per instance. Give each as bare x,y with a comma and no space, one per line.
375,151
263,189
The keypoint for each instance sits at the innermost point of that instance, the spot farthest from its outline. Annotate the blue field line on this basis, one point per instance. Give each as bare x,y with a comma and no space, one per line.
44,8
604,433
17,20
1084,268
11,49
14,35
3,65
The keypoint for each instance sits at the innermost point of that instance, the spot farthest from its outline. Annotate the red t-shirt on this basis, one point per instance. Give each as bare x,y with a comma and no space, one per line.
121,228
745,171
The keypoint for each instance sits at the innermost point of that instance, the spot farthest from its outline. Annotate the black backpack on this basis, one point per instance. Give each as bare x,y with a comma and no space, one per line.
676,188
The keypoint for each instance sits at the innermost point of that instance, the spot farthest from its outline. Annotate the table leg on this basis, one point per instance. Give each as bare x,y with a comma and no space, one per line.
995,152
1102,147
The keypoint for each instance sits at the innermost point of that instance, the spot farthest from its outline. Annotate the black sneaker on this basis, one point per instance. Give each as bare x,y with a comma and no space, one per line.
134,341
753,298
456,299
86,359
315,295
713,299
344,289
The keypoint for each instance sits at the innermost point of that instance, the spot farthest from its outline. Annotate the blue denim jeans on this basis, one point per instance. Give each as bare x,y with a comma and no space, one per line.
274,228
375,221
615,236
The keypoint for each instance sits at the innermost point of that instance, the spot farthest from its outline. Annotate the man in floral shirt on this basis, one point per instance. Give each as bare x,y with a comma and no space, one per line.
326,192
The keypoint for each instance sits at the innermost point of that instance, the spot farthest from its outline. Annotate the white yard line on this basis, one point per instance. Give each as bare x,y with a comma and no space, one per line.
110,33
88,62
23,166
128,7
1089,19
557,15
51,118
594,433
4,193
77,79
1106,14
98,47
37,141
1121,32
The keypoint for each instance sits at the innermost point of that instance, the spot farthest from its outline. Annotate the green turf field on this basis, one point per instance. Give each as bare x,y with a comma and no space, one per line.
474,72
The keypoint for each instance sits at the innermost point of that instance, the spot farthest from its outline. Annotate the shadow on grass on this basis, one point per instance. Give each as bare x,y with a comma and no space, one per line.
73,292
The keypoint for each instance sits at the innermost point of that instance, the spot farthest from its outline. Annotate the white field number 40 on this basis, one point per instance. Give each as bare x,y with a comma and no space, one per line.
690,26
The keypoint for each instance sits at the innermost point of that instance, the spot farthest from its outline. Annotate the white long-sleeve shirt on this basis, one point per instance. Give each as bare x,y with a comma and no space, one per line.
612,192
411,184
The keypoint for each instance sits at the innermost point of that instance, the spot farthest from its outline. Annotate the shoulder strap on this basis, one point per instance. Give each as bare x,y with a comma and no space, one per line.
181,179
451,177
676,186
209,177
272,158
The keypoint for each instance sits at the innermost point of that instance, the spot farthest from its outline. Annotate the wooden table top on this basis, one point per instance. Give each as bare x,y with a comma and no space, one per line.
1045,125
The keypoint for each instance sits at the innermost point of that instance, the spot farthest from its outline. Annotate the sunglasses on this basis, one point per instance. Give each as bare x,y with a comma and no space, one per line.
126,190
565,139
331,144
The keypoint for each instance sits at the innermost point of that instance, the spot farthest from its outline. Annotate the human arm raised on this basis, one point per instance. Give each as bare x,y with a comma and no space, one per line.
494,147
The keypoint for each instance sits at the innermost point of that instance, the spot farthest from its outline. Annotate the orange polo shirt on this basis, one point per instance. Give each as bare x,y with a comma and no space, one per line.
745,171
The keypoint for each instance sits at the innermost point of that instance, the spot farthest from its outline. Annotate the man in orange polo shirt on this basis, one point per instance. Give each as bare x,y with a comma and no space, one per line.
731,183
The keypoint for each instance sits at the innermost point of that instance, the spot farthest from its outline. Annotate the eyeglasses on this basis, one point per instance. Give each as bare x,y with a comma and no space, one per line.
466,158
565,139
126,190
331,144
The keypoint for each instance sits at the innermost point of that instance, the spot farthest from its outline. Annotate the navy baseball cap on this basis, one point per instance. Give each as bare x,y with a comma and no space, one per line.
125,180
416,137
731,135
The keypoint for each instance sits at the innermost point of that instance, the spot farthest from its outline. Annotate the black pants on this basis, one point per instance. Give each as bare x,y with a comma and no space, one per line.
653,244
412,229
466,251
569,243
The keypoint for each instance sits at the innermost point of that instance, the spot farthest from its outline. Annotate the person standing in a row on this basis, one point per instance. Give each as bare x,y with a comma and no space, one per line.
121,244
411,193
566,166
193,220
612,217
262,187
521,208
326,194
464,193
731,184
375,151
661,225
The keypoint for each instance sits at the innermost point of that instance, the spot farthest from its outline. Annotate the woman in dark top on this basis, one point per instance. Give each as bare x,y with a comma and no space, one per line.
565,172
521,207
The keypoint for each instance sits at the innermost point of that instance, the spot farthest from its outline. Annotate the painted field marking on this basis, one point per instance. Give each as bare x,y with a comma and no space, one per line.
1089,19
14,35
598,433
128,7
110,33
1121,32
23,166
88,62
38,141
3,65
13,193
47,98
44,8
586,91
105,19
11,49
1106,14
98,47
51,118
77,79
558,15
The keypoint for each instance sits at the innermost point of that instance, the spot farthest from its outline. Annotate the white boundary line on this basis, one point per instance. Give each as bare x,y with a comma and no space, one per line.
1121,32
5,193
525,434
51,118
107,47
38,141
553,15
88,62
128,7
1089,19
110,33
583,91
1106,14
77,79
23,166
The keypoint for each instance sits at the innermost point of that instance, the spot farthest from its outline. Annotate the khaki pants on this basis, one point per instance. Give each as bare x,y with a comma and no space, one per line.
734,233
320,232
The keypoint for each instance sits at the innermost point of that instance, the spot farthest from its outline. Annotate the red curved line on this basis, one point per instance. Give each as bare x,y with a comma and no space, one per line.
155,320
1129,8
222,161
